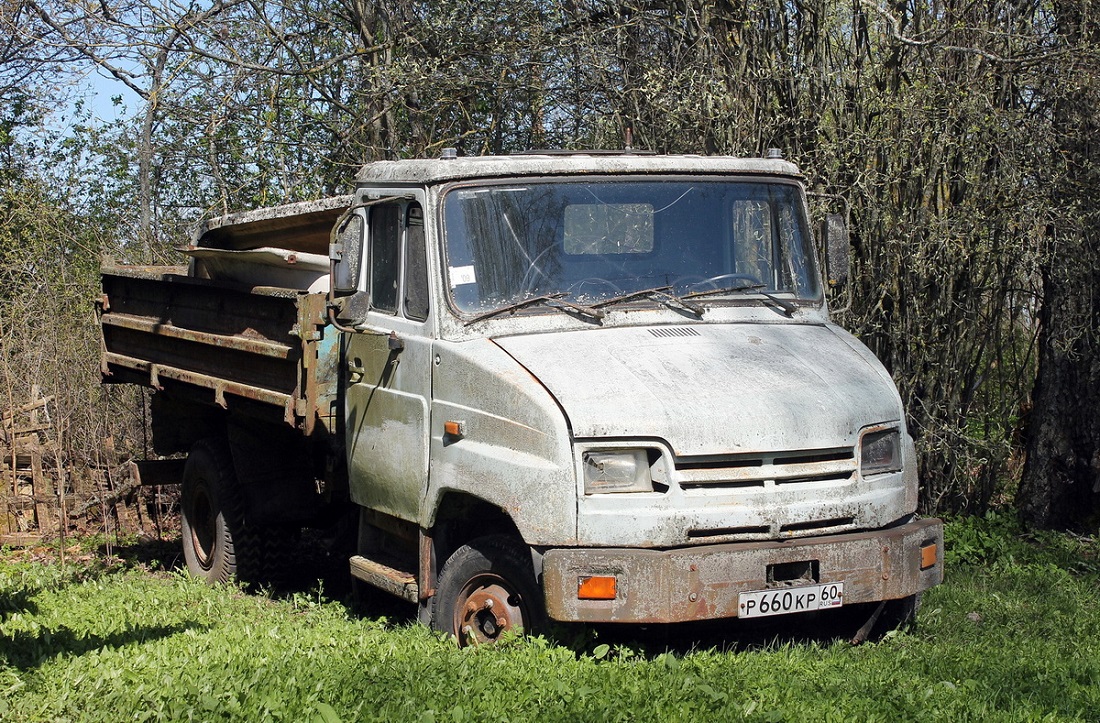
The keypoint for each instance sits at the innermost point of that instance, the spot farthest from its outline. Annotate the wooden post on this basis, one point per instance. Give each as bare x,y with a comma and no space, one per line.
7,465
121,510
42,491
5,525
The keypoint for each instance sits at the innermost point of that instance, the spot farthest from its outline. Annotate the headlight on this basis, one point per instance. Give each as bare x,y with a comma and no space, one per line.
880,452
616,471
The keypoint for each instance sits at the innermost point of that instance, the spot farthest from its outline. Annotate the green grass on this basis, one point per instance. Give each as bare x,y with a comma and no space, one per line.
1013,635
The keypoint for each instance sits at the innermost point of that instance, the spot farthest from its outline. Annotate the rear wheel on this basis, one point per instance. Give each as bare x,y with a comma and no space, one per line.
485,589
217,543
210,516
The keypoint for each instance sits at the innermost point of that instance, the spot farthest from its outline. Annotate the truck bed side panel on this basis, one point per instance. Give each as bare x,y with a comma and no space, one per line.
224,344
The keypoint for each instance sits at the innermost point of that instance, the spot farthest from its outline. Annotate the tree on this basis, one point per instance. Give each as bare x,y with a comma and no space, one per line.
1060,487
934,122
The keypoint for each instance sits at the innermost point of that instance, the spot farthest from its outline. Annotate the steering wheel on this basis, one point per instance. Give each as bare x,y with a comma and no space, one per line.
577,287
689,282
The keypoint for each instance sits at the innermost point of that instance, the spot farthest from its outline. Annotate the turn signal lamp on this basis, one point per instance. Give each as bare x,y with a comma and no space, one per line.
597,587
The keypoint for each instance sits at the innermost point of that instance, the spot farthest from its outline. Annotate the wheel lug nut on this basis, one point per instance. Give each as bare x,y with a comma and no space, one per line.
501,622
489,604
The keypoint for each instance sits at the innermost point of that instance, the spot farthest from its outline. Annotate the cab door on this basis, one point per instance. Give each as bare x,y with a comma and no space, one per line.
388,366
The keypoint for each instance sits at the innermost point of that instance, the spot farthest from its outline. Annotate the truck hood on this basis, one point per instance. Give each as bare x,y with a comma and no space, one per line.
713,389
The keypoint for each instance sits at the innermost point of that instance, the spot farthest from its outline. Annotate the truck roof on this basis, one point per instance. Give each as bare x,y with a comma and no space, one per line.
535,163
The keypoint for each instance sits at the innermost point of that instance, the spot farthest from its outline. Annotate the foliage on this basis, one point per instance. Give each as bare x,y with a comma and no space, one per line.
54,227
1011,636
945,132
998,538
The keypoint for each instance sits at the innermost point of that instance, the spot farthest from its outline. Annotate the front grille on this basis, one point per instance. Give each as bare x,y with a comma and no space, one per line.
759,471
728,532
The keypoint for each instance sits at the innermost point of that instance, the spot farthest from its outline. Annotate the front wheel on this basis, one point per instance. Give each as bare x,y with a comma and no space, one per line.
900,614
485,589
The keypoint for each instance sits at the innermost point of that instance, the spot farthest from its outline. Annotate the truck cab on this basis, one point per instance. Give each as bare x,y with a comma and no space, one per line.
606,388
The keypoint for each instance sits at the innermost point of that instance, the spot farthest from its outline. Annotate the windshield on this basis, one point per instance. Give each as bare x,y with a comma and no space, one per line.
598,240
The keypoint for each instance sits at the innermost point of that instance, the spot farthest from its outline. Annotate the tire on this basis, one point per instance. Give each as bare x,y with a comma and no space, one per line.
218,545
277,544
485,589
901,614
211,519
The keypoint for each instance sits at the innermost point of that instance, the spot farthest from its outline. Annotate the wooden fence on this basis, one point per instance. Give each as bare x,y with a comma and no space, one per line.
44,496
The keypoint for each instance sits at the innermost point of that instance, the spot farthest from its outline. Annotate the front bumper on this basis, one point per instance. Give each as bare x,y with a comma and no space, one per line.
703,583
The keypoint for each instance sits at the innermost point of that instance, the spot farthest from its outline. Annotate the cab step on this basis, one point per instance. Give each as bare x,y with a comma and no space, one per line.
394,581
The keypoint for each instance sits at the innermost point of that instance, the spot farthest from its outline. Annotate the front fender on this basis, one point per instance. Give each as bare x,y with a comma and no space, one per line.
513,450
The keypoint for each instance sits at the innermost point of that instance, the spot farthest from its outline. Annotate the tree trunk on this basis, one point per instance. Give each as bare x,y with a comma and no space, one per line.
1060,487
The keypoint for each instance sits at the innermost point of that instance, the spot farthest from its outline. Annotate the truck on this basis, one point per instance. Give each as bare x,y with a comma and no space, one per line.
597,387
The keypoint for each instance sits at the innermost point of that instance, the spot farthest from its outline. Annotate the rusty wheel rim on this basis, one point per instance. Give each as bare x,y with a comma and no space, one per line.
203,523
487,608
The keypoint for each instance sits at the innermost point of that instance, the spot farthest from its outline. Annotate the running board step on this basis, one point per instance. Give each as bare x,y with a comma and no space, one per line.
396,582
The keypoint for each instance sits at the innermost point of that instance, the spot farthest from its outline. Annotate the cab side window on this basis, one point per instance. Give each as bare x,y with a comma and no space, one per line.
385,246
416,264
397,240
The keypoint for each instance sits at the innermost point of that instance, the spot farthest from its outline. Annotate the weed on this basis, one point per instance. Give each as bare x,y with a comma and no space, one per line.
1011,636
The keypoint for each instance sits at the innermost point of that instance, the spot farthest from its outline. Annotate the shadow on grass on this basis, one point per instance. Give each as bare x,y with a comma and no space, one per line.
17,601
732,635
318,567
146,553
26,650
649,641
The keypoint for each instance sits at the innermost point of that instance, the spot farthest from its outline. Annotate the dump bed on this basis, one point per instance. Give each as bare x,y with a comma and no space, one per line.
243,327
258,350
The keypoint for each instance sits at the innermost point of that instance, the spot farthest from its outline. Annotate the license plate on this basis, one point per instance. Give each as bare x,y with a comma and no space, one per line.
760,603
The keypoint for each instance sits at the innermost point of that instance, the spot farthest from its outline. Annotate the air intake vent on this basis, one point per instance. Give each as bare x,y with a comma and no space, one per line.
669,331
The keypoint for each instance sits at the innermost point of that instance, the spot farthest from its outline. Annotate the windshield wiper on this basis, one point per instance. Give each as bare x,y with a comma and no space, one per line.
658,293
783,304
554,301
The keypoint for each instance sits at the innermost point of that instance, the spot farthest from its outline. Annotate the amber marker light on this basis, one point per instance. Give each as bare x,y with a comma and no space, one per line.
928,556
454,429
596,587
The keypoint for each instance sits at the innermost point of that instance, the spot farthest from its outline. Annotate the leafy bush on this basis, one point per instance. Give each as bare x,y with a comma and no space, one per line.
997,538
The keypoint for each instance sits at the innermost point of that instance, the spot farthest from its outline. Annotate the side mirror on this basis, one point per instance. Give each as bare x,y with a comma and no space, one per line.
346,254
837,250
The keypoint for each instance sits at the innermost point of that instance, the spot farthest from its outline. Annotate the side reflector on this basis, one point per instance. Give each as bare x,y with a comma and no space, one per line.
928,556
454,429
596,588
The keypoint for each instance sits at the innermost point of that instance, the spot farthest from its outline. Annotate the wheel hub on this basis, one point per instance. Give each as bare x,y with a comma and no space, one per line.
488,612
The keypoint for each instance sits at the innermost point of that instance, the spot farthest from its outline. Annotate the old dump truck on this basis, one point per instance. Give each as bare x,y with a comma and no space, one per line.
555,386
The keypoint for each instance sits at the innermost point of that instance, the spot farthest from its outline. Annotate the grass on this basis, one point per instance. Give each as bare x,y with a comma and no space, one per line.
1014,635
